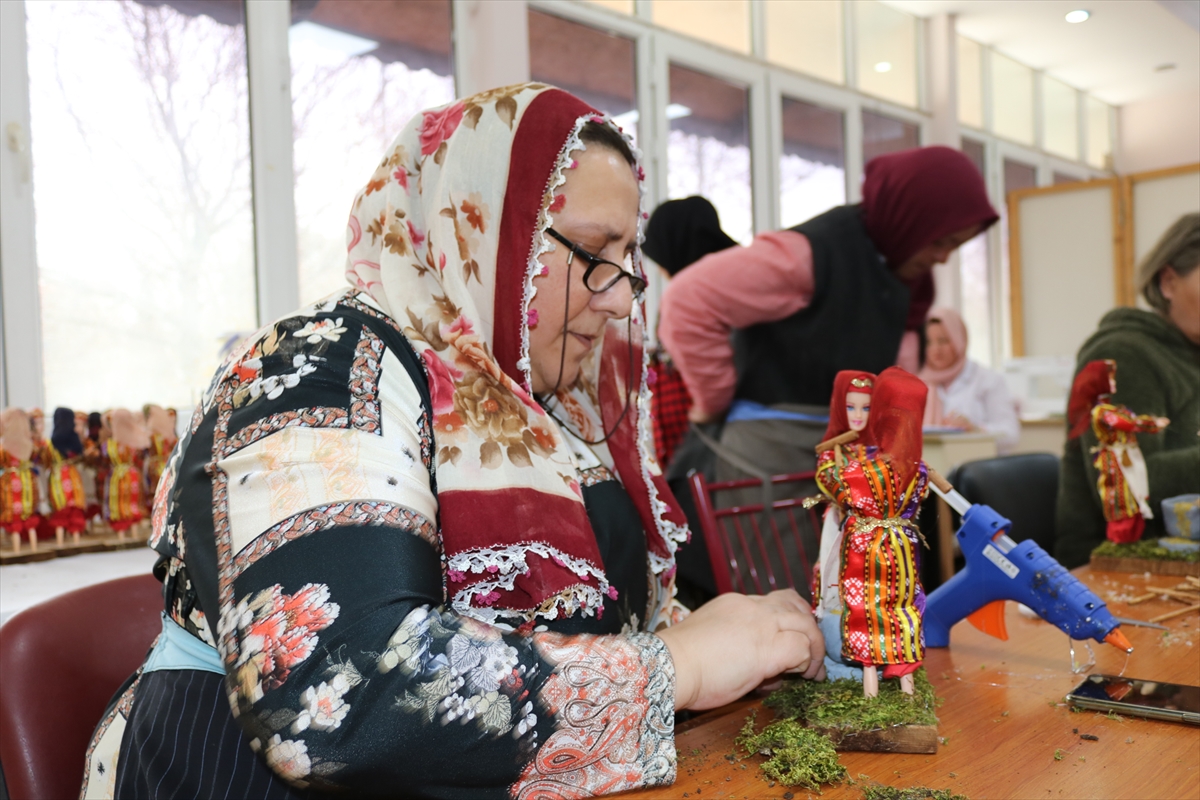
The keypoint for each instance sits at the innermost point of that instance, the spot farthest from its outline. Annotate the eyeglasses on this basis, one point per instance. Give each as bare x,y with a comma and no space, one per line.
601,275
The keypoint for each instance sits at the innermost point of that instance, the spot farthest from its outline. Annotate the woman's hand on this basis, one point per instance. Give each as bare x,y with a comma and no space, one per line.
958,421
734,643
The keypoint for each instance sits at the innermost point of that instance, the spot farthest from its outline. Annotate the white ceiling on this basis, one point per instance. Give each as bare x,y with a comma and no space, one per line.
1112,55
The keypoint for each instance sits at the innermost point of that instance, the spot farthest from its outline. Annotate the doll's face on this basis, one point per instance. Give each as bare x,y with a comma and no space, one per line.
858,409
81,427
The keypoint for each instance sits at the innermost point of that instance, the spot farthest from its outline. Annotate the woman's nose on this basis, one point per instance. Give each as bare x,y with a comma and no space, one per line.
616,301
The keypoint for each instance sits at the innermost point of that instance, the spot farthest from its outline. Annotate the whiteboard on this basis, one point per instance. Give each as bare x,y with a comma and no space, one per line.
1067,262
1157,203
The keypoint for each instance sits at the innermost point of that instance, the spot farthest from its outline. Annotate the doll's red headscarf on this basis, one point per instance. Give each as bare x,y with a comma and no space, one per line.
846,381
1091,383
915,197
897,408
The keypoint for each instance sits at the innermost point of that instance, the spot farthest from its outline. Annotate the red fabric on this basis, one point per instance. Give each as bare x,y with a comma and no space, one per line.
1091,383
900,670
70,519
669,408
897,408
915,197
839,423
1125,531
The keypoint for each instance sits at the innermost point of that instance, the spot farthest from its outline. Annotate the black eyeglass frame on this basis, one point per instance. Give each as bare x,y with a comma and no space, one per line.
636,283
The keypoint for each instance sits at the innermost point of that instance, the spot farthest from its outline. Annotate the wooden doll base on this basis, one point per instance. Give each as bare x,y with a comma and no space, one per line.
897,739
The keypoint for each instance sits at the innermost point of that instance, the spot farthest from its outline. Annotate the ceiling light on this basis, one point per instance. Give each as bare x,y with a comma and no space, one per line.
883,66
1077,16
678,111
1165,67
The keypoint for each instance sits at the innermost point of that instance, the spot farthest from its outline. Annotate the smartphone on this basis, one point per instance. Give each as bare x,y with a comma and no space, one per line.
1152,699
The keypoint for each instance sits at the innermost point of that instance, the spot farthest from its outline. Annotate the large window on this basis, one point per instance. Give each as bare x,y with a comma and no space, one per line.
883,134
807,37
970,83
597,66
360,70
141,161
812,167
1016,176
1099,136
1012,99
1060,118
976,277
887,52
722,22
708,149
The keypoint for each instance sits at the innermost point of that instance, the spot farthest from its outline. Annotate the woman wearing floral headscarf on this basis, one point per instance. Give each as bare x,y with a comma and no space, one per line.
414,535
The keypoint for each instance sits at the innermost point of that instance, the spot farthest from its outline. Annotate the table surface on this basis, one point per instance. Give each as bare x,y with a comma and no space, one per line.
1002,719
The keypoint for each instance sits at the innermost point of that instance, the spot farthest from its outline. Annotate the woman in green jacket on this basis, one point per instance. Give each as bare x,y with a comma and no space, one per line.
1158,358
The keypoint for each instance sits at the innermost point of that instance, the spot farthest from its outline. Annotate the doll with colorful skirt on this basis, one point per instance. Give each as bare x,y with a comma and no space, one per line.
161,425
95,462
61,460
1121,478
124,506
849,410
880,487
19,497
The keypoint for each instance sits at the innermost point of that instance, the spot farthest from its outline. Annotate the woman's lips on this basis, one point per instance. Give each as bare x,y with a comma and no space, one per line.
586,341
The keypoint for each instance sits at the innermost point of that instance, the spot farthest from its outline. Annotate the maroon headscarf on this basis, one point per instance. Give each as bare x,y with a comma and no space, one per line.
915,197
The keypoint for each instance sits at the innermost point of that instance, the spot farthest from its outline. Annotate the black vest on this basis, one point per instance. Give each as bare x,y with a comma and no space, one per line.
855,320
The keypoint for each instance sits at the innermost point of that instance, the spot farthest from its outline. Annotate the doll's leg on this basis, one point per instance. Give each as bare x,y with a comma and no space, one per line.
870,681
907,683
33,539
60,535
16,541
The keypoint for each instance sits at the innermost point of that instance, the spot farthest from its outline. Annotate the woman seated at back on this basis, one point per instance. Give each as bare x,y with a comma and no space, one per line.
964,393
413,541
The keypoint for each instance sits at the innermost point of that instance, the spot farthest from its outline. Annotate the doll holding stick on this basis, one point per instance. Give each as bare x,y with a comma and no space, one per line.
1122,481
881,488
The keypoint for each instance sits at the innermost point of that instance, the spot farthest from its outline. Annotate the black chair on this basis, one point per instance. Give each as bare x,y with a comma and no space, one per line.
1022,488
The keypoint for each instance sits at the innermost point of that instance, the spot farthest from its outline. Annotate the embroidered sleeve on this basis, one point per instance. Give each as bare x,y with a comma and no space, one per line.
302,507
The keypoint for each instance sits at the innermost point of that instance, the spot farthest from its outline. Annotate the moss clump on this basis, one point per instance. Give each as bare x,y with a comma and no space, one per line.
878,792
841,705
797,756
1144,549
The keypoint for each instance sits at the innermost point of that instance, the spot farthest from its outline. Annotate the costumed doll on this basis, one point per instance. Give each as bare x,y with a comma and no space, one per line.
94,460
1121,478
18,483
881,491
161,425
123,491
849,410
61,460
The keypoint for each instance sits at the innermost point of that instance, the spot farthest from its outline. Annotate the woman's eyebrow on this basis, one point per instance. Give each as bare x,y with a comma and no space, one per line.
608,233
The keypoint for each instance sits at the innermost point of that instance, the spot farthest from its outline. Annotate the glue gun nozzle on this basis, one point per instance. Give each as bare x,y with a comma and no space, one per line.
1117,639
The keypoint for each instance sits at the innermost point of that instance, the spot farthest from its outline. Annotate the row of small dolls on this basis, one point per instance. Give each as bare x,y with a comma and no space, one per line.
94,467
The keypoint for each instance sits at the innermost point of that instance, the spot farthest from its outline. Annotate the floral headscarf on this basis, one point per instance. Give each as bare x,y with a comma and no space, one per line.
446,239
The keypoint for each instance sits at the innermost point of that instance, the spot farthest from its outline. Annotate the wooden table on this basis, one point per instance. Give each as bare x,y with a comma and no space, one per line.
1003,719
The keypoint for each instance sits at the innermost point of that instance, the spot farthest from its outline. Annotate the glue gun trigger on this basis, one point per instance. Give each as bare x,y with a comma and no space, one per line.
990,620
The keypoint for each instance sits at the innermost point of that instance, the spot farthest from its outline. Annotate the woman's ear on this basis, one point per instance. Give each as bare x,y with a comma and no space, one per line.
1168,282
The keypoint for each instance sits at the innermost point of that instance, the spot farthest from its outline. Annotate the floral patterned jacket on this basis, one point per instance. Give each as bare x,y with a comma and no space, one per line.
297,521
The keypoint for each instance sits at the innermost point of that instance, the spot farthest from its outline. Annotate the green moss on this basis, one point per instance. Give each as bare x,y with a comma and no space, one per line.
877,792
797,756
1143,549
841,705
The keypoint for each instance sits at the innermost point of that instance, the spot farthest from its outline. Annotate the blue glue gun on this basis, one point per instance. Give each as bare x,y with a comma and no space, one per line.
1000,569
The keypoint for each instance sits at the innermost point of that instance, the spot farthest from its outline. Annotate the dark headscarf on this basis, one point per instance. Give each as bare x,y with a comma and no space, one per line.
64,438
915,197
681,232
95,425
